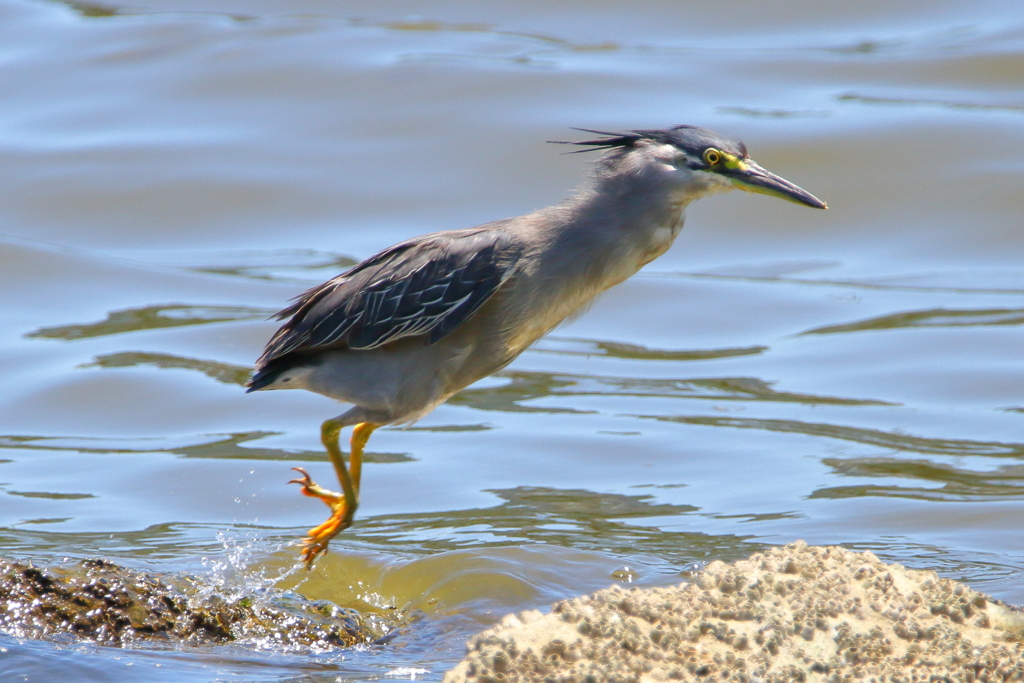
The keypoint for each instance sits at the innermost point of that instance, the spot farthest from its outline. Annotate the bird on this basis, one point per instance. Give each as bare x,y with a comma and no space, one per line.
398,334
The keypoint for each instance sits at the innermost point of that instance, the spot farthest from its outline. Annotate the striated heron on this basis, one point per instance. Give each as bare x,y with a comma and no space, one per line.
405,329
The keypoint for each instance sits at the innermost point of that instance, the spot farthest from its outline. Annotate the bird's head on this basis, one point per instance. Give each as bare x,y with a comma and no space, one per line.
697,161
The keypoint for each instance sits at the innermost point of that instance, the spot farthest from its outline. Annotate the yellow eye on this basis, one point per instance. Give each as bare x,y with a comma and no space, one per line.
712,156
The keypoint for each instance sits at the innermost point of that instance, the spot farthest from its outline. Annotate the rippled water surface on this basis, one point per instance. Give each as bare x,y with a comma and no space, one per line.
172,172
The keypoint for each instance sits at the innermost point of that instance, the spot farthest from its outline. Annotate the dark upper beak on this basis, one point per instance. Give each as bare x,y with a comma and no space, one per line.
753,178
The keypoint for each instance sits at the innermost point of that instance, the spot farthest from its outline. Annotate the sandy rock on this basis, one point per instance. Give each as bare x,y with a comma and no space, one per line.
796,613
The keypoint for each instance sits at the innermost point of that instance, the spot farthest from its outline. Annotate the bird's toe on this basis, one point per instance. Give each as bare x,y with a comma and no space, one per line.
313,490
320,536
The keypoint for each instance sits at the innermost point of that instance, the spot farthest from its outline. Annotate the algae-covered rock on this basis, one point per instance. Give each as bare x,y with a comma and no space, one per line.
104,602
797,613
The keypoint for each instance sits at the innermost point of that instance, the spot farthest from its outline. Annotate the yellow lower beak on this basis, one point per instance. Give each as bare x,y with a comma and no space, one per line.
750,177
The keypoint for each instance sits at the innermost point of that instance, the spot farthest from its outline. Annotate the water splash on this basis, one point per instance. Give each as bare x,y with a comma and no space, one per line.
238,573
406,672
102,602
239,576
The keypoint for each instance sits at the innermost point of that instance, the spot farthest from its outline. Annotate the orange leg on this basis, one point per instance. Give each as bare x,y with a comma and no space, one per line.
343,505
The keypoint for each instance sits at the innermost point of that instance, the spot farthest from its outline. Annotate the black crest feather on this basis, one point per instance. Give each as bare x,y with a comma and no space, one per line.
691,139
610,142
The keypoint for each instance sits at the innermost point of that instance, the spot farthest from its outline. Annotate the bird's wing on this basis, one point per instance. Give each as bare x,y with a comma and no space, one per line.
426,286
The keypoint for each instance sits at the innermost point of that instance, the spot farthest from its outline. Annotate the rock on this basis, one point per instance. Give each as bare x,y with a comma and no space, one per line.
796,613
103,602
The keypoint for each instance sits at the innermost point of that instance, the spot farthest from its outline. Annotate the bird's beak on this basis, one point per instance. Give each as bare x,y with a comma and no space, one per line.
750,177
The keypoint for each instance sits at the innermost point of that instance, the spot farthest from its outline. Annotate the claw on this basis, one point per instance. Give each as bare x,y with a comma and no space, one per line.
305,481
313,490
310,552
319,537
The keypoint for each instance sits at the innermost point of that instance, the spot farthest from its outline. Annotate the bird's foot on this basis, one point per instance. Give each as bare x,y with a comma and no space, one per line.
318,537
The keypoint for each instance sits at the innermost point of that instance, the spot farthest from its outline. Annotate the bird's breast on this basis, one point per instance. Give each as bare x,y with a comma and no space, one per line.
661,238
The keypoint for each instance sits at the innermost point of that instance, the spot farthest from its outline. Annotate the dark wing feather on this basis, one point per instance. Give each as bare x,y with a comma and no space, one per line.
427,286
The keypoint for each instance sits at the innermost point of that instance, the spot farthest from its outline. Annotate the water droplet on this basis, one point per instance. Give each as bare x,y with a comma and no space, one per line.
625,574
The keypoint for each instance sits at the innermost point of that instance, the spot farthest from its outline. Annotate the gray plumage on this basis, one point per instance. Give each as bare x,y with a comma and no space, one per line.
404,330
428,285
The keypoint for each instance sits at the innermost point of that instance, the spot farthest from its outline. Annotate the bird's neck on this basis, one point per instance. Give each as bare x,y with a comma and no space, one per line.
592,241
616,229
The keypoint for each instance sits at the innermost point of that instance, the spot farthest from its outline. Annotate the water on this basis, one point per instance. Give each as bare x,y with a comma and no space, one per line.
172,172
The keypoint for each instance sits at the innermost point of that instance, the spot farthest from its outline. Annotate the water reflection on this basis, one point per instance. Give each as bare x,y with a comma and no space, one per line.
159,542
938,481
568,518
222,447
527,386
298,265
575,346
903,101
222,372
872,437
774,113
937,317
954,282
89,9
152,318
51,496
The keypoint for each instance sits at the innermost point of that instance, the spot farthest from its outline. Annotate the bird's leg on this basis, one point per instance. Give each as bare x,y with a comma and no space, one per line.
360,435
343,505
